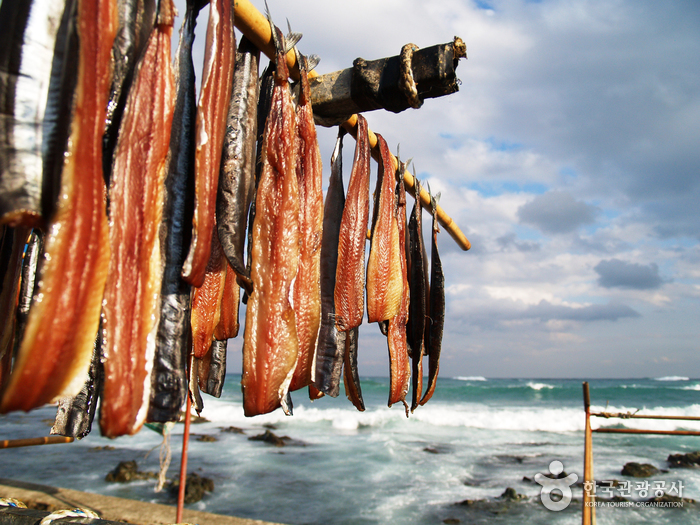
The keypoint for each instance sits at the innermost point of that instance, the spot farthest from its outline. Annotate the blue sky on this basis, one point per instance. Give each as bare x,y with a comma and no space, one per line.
569,158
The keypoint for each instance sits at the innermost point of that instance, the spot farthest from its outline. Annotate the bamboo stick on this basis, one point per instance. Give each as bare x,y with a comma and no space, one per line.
254,25
641,431
30,442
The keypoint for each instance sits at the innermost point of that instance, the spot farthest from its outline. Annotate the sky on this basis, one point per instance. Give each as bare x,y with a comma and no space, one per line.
570,160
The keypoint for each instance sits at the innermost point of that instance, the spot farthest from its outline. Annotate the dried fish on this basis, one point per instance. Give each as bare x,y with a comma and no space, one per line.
270,341
63,320
217,79
350,275
331,343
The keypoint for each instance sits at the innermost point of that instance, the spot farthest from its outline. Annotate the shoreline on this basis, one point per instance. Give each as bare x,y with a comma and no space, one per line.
49,499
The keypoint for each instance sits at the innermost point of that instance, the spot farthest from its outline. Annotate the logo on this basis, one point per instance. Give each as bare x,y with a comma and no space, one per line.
562,485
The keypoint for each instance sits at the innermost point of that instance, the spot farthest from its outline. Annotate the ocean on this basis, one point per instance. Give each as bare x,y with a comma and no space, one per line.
450,462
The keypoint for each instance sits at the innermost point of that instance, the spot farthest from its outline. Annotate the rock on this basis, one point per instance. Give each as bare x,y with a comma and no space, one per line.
512,495
270,426
431,450
689,460
451,521
207,438
195,487
127,471
271,438
467,502
105,447
639,470
232,430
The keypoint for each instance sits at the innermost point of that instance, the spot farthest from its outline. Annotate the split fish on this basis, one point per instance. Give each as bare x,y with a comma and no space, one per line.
28,285
213,372
437,309
136,204
270,342
169,375
212,108
350,274
399,366
384,279
56,349
307,286
29,35
237,176
331,343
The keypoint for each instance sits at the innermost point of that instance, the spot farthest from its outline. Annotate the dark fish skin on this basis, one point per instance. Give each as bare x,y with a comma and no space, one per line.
331,343
267,85
75,415
29,34
56,127
136,19
351,377
12,241
237,176
28,285
437,311
169,375
417,308
213,384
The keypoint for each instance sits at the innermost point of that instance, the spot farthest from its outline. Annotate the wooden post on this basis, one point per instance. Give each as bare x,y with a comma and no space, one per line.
588,515
183,461
255,26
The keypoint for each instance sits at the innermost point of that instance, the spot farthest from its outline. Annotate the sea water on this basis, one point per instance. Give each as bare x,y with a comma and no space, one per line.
449,462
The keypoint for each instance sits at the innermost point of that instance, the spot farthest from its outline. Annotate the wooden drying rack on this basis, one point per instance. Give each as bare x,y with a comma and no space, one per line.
588,514
255,26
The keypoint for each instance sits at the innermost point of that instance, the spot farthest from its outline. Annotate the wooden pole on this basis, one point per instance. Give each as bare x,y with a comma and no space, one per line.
30,442
254,25
623,415
588,515
183,461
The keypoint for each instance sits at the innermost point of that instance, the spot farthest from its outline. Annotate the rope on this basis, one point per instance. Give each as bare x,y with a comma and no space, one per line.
407,83
12,502
75,513
165,456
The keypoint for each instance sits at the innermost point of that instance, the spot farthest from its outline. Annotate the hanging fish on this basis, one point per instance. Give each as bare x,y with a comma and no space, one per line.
267,85
58,340
212,369
237,176
75,414
32,39
331,343
136,19
399,366
437,307
417,308
384,280
270,341
28,284
351,377
307,285
136,203
169,375
206,300
350,274
12,242
217,79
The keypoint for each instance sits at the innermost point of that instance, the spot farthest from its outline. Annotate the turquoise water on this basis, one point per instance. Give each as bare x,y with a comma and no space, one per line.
475,438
